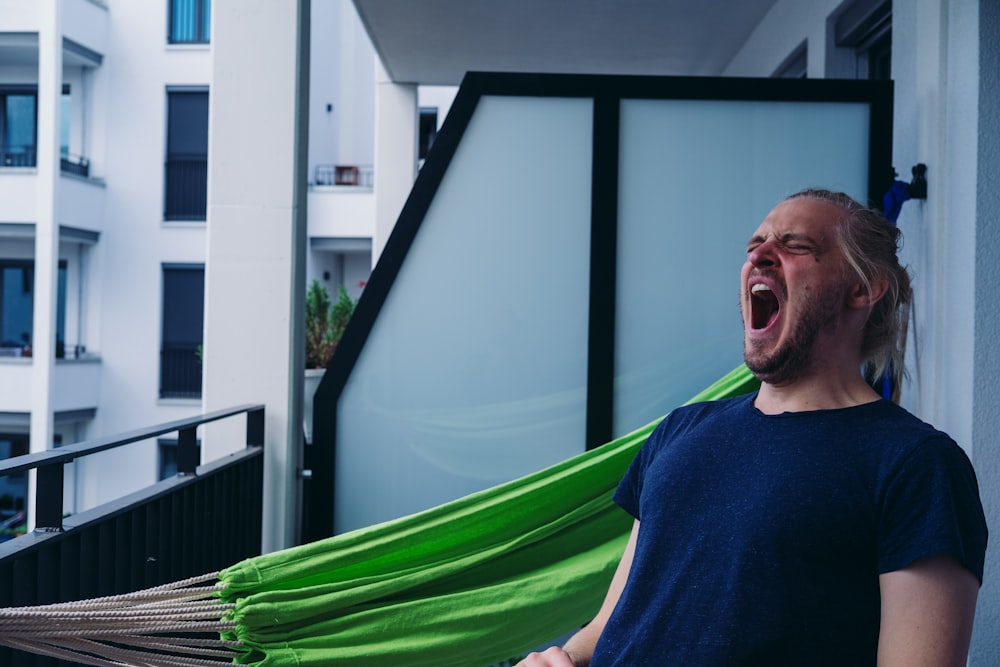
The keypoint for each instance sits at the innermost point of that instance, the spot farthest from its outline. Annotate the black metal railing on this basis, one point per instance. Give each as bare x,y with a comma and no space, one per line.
186,188
70,163
206,518
180,371
18,156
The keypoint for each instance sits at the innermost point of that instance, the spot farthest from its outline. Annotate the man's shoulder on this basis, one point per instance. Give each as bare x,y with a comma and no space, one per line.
691,415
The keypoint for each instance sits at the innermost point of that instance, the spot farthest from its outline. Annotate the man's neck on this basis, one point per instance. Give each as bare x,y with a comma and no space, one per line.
814,393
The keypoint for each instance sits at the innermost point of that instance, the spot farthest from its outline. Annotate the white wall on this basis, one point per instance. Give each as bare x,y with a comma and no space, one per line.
124,280
986,360
342,59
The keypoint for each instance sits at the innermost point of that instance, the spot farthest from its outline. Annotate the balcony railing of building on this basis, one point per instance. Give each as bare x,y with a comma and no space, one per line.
180,371
70,163
18,156
186,188
344,174
206,518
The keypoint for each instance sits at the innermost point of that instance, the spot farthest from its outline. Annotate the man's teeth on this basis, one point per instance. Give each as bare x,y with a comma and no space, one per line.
760,287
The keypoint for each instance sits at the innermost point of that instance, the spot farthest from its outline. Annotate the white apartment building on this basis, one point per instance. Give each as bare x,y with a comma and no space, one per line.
104,163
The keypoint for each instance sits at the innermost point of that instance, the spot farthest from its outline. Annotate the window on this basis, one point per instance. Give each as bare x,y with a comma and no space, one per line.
13,488
17,300
186,178
18,110
866,27
190,21
428,129
183,317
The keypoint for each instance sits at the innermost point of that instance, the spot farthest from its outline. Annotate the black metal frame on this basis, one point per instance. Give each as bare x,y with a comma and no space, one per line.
49,464
607,91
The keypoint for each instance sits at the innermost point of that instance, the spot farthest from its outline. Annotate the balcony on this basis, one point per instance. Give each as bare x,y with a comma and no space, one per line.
81,198
180,371
76,385
18,156
341,202
186,188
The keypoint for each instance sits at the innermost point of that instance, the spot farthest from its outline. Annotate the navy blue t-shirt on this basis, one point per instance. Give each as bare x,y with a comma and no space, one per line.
762,536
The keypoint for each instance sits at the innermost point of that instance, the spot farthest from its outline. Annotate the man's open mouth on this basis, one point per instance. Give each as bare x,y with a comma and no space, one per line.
764,306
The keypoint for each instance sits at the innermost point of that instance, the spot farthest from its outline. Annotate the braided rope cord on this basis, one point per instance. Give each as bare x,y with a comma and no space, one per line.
133,629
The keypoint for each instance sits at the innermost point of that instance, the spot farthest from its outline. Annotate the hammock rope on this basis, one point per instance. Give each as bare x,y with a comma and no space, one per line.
468,583
130,629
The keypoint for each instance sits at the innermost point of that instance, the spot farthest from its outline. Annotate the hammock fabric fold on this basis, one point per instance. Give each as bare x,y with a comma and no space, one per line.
469,583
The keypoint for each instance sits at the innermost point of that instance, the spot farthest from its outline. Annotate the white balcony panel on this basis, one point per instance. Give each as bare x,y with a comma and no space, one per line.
17,192
86,23
77,384
19,16
81,202
15,384
341,212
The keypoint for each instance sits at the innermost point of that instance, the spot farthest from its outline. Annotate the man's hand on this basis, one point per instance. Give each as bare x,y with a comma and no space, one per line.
550,657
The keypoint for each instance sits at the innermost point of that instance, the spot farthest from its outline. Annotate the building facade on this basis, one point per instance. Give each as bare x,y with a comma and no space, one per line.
104,208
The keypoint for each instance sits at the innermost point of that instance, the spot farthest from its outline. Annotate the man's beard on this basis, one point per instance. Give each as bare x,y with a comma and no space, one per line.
794,358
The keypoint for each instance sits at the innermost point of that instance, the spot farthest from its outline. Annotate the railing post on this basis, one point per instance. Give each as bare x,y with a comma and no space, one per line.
49,497
255,428
188,456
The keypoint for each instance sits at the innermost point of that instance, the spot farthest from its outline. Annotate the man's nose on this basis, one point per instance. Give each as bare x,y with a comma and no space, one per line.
763,255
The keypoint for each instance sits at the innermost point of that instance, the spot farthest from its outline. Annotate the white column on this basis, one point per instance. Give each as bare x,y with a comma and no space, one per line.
396,146
43,338
254,334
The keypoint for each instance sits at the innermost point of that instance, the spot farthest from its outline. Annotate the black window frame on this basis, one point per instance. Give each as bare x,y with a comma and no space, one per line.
8,157
28,265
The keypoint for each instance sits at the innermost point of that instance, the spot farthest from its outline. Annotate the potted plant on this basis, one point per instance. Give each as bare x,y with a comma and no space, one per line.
325,325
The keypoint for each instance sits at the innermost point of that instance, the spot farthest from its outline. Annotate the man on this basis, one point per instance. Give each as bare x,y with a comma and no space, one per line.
811,523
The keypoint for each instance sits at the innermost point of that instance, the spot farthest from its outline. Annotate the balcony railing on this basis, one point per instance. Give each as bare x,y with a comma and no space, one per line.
18,156
180,372
186,189
70,163
344,174
206,518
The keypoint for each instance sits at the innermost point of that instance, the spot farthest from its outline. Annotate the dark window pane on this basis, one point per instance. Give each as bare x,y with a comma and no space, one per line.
183,317
186,177
17,129
13,488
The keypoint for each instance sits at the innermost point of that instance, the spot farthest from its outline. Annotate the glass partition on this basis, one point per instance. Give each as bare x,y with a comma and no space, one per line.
696,179
473,373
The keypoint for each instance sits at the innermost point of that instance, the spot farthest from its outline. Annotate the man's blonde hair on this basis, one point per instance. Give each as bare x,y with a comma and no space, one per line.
870,245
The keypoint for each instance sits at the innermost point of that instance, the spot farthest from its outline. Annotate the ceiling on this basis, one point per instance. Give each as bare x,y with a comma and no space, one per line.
434,42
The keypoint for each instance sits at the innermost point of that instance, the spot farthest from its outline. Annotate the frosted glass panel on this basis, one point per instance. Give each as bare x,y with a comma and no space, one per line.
696,179
475,370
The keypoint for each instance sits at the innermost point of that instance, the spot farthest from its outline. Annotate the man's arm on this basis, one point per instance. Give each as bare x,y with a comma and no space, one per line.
580,647
927,612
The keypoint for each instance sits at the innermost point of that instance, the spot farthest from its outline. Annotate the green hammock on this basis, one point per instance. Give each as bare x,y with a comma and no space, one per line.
468,583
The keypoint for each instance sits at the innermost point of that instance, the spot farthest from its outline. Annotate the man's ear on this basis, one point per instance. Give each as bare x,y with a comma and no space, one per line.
862,296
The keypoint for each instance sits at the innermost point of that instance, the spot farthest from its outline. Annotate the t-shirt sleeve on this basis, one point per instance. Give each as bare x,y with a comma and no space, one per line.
629,490
931,507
